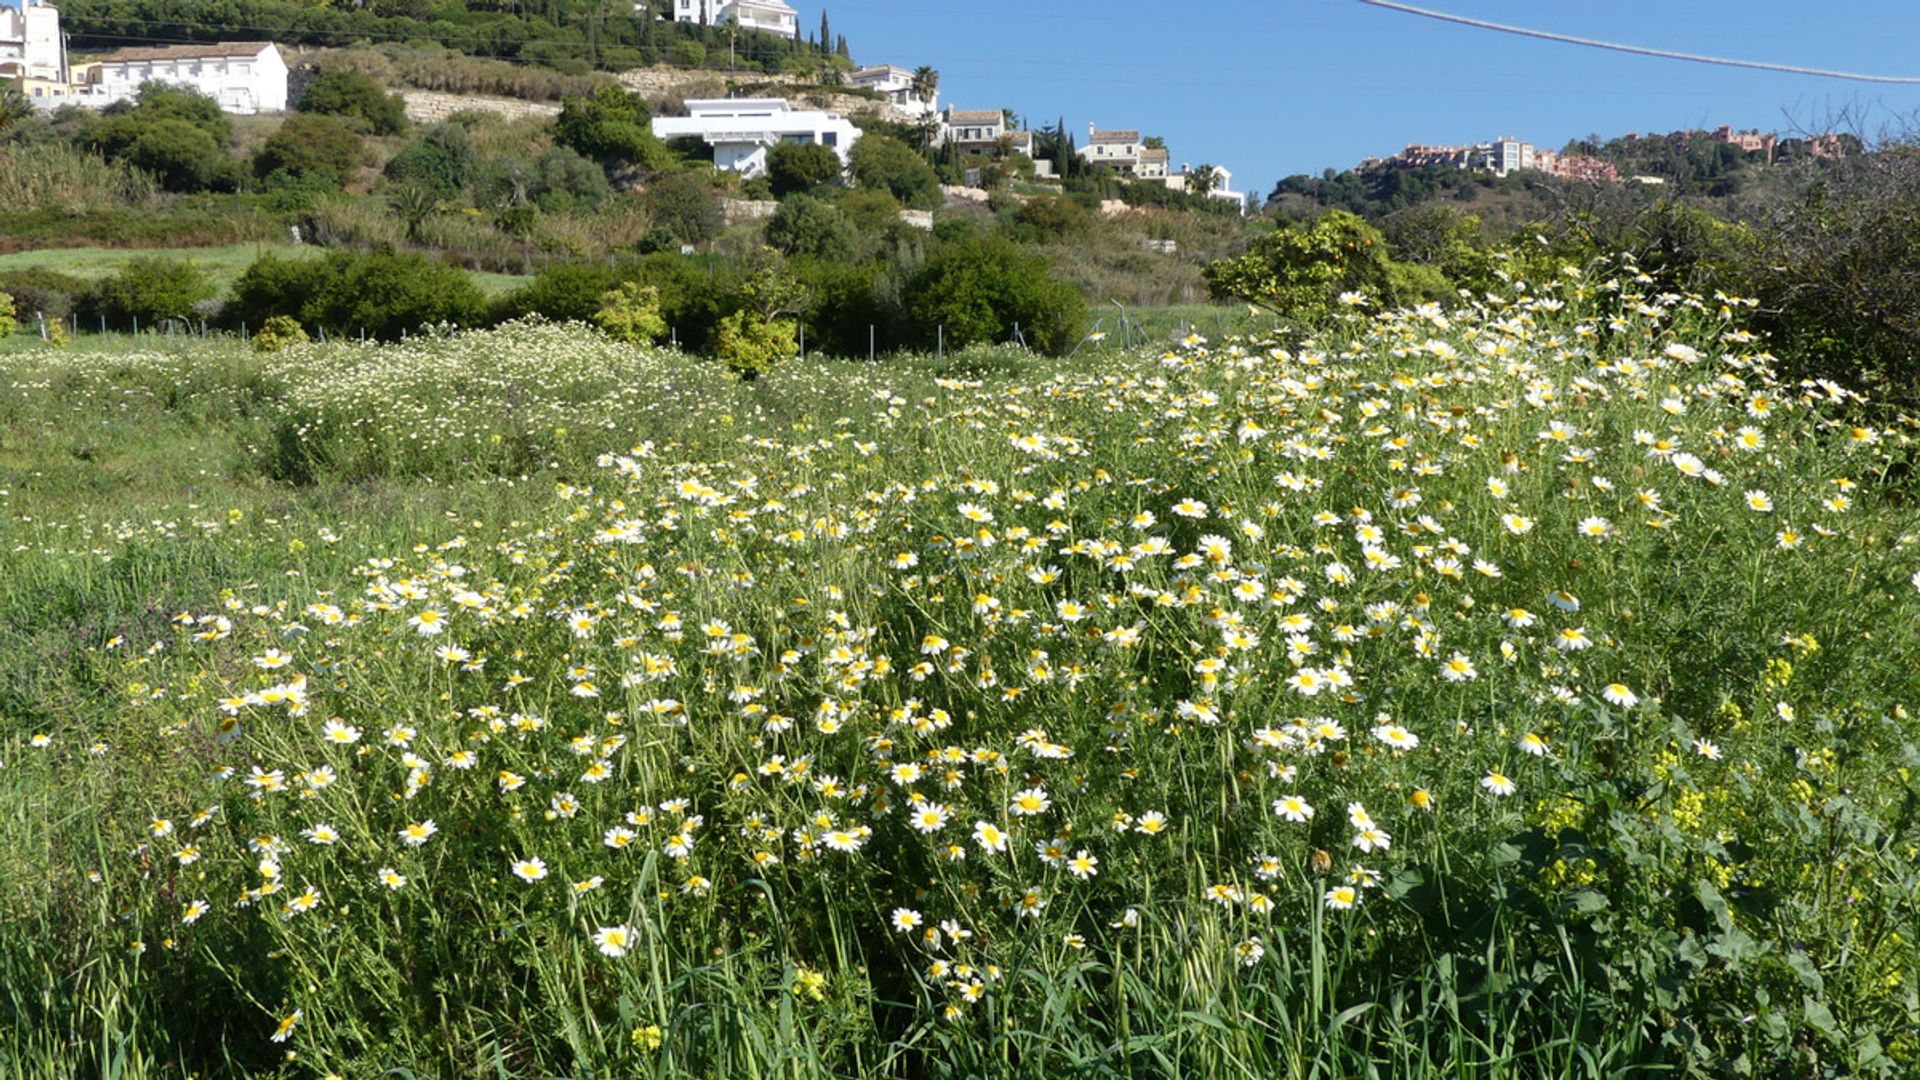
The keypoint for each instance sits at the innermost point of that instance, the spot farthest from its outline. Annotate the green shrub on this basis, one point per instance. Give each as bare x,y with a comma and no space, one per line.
36,291
751,345
805,225
442,160
631,313
385,294
388,295
887,164
981,291
796,167
563,180
609,126
1051,218
280,332
8,324
149,289
683,204
321,147
569,292
1299,272
356,98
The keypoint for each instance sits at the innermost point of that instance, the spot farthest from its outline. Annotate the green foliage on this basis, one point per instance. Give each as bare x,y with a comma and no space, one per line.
384,294
982,290
751,345
442,160
683,204
569,292
1300,272
42,292
800,167
1051,218
414,205
610,126
805,225
177,135
564,180
150,289
356,98
883,163
306,146
280,332
631,313
7,322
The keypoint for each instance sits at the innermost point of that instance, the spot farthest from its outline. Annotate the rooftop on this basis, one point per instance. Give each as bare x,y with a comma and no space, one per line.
975,116
215,51
1116,136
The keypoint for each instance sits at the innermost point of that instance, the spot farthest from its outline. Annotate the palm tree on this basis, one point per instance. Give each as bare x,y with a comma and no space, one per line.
14,106
414,205
1202,180
926,84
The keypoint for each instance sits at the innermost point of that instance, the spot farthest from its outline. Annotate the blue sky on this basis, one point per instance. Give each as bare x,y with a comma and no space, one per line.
1274,87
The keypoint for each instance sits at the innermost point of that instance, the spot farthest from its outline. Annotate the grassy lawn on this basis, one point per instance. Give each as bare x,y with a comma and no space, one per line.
222,264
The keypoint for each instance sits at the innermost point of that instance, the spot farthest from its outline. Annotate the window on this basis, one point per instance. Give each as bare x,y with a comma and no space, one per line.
831,138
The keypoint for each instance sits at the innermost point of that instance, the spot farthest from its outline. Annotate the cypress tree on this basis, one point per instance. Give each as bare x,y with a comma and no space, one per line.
826,31
841,49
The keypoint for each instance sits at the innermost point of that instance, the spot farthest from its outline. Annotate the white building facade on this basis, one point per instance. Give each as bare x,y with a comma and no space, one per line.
742,130
1117,150
31,45
896,84
245,77
771,16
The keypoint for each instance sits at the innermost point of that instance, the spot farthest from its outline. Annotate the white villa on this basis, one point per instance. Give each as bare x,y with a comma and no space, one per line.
772,16
742,130
1117,150
976,129
31,46
243,76
896,84
1222,183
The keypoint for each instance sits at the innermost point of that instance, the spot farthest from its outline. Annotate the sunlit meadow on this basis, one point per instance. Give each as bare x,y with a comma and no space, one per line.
1522,689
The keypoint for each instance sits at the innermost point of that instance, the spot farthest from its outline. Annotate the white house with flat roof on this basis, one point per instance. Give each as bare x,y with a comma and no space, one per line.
742,130
772,16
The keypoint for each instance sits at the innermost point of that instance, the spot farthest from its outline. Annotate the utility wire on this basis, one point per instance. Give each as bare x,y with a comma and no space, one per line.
1638,50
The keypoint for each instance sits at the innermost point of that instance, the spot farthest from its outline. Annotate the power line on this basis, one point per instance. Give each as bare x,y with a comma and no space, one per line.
1638,50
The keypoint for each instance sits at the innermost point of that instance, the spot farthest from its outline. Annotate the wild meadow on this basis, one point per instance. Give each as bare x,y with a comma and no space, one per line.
1523,688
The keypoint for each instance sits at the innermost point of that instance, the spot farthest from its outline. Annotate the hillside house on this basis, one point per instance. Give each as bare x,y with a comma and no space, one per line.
31,45
1118,150
742,130
243,76
976,130
1152,164
896,85
770,16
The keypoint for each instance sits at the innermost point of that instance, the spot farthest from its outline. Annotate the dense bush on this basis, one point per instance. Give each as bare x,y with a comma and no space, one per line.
280,332
569,292
981,291
442,160
796,167
308,146
751,345
887,164
1301,272
148,290
683,204
631,313
563,180
177,135
609,126
42,292
383,294
7,320
1051,218
805,225
356,98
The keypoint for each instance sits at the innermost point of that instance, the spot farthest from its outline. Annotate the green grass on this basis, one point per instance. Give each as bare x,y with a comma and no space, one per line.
223,265
749,668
